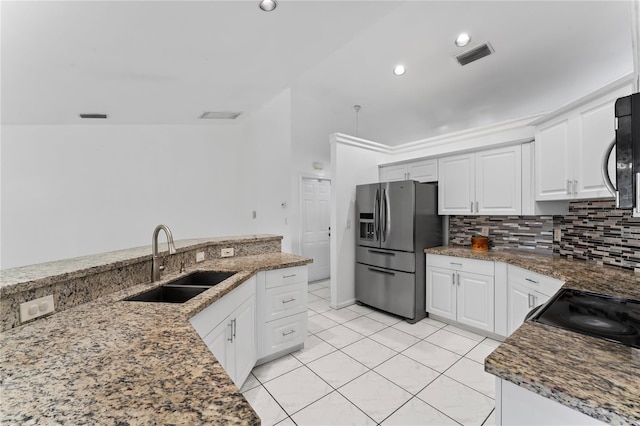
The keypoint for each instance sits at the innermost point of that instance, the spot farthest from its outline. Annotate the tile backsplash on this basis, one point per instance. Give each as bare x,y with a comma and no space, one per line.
531,233
593,230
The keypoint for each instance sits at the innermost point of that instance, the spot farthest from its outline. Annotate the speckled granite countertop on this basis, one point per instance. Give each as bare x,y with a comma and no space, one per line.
128,363
41,274
591,375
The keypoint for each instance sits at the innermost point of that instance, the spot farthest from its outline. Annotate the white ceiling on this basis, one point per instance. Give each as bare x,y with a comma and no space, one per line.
149,62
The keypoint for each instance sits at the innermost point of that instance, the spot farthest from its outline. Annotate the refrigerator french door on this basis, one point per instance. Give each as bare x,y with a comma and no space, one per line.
396,222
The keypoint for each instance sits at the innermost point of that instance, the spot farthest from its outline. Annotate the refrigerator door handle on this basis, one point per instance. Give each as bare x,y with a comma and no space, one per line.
376,215
385,214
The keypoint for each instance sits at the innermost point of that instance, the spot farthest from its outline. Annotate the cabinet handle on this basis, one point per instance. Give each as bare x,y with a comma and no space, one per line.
455,263
288,332
235,327
230,338
458,275
289,276
477,207
532,300
568,187
532,281
288,301
575,187
472,207
453,278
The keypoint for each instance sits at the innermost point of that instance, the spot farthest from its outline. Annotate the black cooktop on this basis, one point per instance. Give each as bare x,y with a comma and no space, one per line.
610,318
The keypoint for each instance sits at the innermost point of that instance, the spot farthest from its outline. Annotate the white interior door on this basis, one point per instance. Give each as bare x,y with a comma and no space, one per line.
316,195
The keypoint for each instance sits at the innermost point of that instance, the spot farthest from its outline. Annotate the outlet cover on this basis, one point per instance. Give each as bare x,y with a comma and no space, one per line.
36,308
484,231
557,234
200,256
226,252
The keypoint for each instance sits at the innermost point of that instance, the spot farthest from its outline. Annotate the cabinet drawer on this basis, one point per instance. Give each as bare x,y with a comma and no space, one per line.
278,277
285,300
538,282
284,333
482,267
396,260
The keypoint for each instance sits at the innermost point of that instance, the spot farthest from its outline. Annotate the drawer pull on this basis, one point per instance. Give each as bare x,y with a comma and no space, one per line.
230,325
286,333
381,271
289,276
532,281
455,263
288,301
381,252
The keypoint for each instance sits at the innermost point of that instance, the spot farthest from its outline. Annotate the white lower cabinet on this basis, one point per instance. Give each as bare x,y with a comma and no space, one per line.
281,311
228,328
525,291
461,290
516,405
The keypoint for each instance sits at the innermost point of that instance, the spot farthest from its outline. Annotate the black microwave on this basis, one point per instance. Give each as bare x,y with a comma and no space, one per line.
627,145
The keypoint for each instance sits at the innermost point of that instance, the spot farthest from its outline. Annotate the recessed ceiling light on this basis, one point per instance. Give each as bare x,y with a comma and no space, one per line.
399,70
268,5
463,39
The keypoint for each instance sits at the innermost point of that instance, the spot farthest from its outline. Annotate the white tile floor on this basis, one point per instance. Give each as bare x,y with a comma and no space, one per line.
364,367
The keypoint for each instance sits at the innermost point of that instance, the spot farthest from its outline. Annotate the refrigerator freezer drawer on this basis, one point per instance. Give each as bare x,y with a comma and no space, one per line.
391,291
381,258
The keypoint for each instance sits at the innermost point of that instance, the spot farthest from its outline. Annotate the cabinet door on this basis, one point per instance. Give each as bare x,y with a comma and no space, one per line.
553,164
596,130
393,173
519,305
218,343
456,189
441,292
244,341
423,171
499,181
475,300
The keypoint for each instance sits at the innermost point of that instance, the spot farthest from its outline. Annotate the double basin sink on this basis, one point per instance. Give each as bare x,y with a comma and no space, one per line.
182,289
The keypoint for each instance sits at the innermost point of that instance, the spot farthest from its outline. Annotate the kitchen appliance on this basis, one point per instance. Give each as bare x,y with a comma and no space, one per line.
627,145
396,222
610,318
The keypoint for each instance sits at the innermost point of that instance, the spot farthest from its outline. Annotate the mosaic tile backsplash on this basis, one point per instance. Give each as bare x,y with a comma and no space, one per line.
531,233
593,230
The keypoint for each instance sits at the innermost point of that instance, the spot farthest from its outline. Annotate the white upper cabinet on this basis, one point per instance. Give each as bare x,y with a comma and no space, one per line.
569,149
422,171
482,183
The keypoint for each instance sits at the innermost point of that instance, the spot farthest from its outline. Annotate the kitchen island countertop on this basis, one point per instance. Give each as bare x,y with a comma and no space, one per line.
594,376
111,361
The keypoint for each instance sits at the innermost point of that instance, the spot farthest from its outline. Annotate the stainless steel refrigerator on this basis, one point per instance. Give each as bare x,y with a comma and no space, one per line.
396,222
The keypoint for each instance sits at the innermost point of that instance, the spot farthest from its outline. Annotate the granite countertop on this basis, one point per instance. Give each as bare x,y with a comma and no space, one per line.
591,375
117,362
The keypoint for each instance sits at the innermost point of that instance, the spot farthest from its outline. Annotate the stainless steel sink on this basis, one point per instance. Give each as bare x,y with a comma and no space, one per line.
182,289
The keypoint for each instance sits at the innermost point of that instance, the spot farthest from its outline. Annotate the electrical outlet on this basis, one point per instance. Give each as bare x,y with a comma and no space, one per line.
200,256
484,231
557,234
226,252
36,308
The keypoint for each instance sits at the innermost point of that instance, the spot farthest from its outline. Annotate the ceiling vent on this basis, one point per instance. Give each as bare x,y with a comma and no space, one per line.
474,54
103,116
219,115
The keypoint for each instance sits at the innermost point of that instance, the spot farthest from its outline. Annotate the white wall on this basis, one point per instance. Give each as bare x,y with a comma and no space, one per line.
75,190
352,163
265,162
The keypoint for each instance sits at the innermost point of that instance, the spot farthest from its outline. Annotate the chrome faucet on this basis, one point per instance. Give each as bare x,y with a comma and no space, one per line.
156,270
